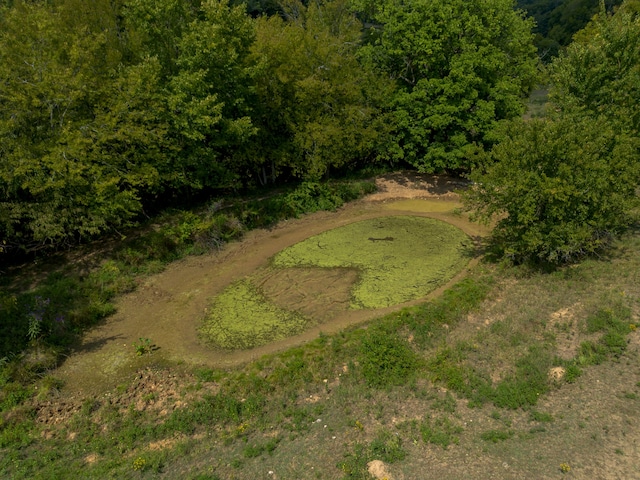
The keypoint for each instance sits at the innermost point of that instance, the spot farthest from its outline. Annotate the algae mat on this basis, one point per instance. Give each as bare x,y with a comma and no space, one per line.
370,264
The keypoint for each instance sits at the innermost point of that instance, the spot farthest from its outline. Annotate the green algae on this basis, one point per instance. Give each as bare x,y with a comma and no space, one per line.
241,317
400,258
369,264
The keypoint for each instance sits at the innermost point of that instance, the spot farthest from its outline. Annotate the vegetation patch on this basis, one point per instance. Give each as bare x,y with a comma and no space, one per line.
241,317
391,260
386,447
386,359
399,258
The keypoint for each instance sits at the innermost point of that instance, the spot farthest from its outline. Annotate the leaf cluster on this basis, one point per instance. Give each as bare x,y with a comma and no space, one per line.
562,187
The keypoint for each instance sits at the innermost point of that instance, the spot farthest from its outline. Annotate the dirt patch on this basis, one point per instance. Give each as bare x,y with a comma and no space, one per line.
414,185
563,324
168,307
377,469
320,293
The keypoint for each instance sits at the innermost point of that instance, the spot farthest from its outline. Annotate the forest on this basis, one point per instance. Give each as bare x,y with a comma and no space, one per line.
111,110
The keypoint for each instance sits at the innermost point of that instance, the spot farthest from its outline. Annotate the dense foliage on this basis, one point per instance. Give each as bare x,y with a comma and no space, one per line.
460,67
558,20
562,187
112,108
599,74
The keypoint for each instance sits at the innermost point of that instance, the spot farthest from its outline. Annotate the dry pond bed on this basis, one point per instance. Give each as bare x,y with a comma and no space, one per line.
168,308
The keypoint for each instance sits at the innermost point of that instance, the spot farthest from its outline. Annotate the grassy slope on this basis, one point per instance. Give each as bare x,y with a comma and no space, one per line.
458,387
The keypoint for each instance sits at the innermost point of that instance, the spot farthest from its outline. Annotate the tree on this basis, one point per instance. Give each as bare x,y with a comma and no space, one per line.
157,28
317,107
559,188
460,68
558,20
599,73
80,132
210,96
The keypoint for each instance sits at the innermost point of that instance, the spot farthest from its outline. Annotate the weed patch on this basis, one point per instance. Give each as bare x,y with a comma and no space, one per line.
257,449
495,436
386,446
440,431
529,382
386,359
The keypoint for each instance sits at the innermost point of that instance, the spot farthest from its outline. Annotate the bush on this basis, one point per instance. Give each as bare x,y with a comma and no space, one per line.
561,189
386,359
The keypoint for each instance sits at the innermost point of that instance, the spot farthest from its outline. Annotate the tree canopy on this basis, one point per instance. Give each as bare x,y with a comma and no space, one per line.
564,186
558,20
560,188
108,109
460,67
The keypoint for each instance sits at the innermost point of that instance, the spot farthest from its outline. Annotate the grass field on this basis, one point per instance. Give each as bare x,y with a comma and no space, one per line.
512,373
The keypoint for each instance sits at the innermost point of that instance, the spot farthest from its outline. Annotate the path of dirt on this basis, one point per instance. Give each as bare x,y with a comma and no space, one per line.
167,308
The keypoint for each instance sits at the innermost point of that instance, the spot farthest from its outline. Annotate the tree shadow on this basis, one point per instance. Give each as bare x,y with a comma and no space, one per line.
431,183
93,345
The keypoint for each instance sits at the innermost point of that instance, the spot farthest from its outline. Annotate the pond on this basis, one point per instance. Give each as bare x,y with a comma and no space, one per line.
365,265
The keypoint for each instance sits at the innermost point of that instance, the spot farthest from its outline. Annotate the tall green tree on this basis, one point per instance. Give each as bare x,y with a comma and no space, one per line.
558,20
460,67
318,108
210,97
157,28
564,186
599,74
79,132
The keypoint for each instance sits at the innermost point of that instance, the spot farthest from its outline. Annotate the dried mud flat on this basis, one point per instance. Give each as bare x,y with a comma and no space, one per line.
168,307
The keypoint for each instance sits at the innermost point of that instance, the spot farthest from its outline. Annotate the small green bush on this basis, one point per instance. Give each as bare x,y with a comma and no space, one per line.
354,465
386,359
496,436
536,416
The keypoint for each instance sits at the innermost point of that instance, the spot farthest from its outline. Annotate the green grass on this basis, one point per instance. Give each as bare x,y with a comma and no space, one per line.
385,359
386,446
429,382
440,431
495,436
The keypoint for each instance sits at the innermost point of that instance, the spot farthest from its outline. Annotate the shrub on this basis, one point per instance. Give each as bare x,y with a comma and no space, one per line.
560,189
386,359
